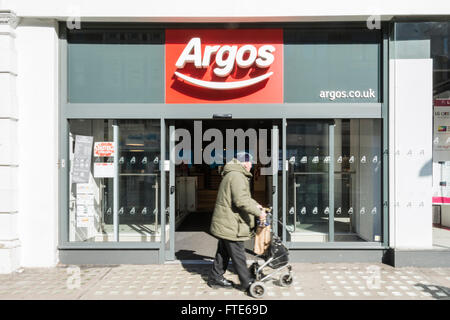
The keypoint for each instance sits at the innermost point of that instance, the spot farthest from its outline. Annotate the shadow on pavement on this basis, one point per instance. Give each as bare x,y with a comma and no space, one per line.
437,292
198,264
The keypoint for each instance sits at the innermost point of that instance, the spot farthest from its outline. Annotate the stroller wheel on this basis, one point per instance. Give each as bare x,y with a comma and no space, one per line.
257,289
286,279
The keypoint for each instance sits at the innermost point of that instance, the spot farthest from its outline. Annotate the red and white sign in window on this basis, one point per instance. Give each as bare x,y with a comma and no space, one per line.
104,149
224,66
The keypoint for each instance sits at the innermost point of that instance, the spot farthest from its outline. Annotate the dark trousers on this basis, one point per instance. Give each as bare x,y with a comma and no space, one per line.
235,250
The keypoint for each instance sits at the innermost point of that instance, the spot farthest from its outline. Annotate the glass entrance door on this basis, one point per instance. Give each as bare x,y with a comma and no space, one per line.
333,180
308,194
195,167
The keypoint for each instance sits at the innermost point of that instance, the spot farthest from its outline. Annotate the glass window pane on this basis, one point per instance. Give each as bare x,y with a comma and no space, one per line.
307,194
139,179
92,174
357,180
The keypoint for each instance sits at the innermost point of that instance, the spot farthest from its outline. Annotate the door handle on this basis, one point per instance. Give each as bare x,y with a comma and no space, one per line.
172,189
274,189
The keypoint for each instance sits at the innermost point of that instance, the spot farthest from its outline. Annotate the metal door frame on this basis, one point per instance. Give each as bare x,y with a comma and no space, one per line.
170,252
330,181
275,149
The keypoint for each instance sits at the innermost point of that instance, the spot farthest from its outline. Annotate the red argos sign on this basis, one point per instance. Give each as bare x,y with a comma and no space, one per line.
224,66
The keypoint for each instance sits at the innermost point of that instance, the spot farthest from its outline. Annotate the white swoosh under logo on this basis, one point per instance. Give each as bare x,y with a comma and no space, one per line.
223,85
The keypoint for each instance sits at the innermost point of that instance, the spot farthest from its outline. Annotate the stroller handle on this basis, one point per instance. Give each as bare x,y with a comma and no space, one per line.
269,214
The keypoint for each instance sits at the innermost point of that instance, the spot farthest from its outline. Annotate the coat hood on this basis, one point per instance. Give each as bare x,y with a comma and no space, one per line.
235,165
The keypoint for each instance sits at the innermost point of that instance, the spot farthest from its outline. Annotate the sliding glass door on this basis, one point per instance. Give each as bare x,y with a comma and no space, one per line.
333,180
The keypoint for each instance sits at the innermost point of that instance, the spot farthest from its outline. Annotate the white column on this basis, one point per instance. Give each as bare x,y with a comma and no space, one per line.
410,136
37,89
9,162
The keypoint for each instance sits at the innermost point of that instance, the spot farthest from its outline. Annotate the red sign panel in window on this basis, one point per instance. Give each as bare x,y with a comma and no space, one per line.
224,66
104,149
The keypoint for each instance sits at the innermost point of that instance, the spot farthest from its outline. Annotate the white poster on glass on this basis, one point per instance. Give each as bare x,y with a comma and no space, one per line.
441,152
103,170
441,133
82,159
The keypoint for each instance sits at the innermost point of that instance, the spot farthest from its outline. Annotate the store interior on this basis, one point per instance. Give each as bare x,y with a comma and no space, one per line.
197,186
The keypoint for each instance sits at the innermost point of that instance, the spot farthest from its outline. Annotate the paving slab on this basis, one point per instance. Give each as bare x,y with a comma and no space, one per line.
187,281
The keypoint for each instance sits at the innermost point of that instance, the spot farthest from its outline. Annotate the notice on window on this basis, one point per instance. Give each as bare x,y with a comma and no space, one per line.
84,221
441,152
104,149
85,188
166,165
103,170
85,211
85,199
441,131
85,207
82,159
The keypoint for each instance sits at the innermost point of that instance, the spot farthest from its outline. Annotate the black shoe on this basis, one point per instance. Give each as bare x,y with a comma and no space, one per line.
219,283
245,287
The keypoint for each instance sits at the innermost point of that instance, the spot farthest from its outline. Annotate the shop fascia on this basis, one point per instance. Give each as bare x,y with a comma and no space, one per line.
226,56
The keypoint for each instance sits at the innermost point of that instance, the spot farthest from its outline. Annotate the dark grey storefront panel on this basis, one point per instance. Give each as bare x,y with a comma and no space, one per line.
105,257
207,111
116,73
333,256
316,61
437,258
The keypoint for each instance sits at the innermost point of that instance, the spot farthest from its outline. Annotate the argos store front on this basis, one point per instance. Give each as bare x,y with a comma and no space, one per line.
150,113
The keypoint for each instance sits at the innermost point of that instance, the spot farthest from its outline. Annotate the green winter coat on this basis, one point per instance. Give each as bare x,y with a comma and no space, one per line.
235,210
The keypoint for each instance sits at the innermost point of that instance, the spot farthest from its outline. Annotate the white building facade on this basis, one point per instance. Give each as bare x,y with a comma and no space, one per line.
36,88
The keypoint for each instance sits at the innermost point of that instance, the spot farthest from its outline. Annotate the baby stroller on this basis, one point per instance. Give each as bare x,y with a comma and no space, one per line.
276,257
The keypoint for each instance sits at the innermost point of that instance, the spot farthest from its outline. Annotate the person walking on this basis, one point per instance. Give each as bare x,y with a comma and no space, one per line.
232,222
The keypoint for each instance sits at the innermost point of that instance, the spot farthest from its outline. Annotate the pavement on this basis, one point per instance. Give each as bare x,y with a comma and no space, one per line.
441,237
185,280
